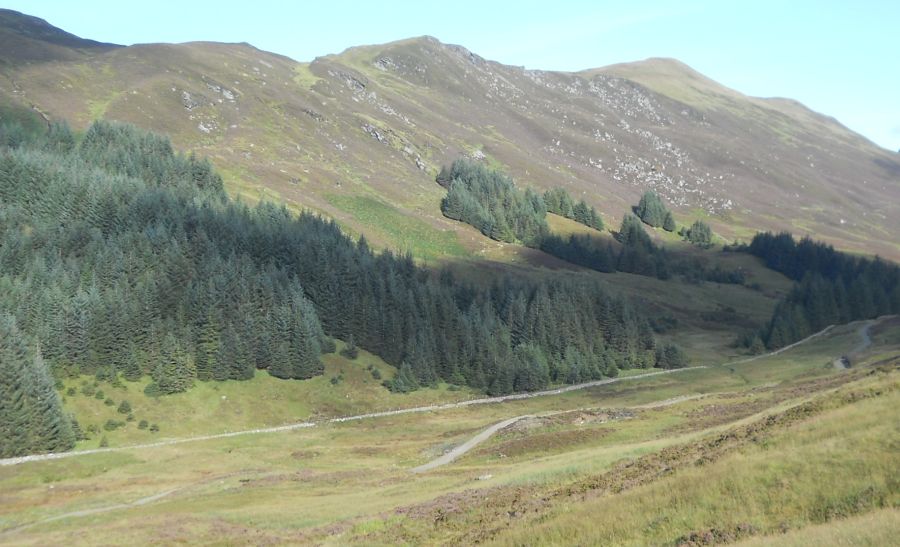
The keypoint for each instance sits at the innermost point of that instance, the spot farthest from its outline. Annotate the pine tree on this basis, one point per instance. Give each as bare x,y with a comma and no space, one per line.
77,432
174,372
207,347
700,234
756,346
651,210
669,222
454,203
404,382
282,364
14,404
31,415
582,213
131,369
612,368
596,221
533,373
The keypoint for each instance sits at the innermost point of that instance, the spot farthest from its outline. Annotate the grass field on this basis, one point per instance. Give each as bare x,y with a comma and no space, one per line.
264,401
408,233
350,482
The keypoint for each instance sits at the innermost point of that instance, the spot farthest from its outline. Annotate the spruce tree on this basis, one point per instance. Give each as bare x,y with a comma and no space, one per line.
651,210
404,381
131,368
207,347
14,404
31,415
174,373
700,234
669,222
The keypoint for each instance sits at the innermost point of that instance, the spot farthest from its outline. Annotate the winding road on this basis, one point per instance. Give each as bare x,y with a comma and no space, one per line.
302,425
864,332
468,445
865,341
107,508
865,335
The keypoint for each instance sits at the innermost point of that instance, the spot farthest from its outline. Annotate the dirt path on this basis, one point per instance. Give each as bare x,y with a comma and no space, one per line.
865,334
468,445
114,507
826,330
670,402
432,408
458,451
302,425
61,455
450,456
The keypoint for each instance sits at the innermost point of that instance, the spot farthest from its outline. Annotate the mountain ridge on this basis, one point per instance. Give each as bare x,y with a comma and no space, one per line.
32,39
370,126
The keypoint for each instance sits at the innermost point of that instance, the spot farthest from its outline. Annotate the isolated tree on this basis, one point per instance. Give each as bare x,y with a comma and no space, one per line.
651,210
700,234
77,432
669,222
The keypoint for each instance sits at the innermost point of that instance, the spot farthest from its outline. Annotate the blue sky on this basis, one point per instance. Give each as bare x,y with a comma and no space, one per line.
839,58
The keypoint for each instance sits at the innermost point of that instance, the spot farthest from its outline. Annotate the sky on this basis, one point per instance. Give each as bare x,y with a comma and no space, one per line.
837,57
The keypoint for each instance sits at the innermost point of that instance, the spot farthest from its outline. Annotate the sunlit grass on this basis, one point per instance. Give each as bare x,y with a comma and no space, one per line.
808,474
291,487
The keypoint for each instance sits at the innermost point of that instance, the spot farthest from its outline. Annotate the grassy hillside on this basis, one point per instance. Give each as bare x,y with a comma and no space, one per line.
346,388
663,458
380,120
793,448
771,485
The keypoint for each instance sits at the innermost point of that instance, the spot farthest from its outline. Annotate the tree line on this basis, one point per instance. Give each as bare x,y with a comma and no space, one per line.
489,200
122,258
559,202
832,287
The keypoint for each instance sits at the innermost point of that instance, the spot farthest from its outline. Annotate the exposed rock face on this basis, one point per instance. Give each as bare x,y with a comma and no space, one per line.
189,101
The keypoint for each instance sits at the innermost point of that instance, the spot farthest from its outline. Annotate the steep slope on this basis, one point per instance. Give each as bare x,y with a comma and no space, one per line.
360,135
25,39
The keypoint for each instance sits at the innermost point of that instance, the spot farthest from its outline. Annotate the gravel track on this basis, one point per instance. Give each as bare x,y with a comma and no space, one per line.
449,457
430,408
455,453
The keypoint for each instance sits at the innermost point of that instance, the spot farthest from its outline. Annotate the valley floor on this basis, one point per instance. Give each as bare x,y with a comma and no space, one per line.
784,449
